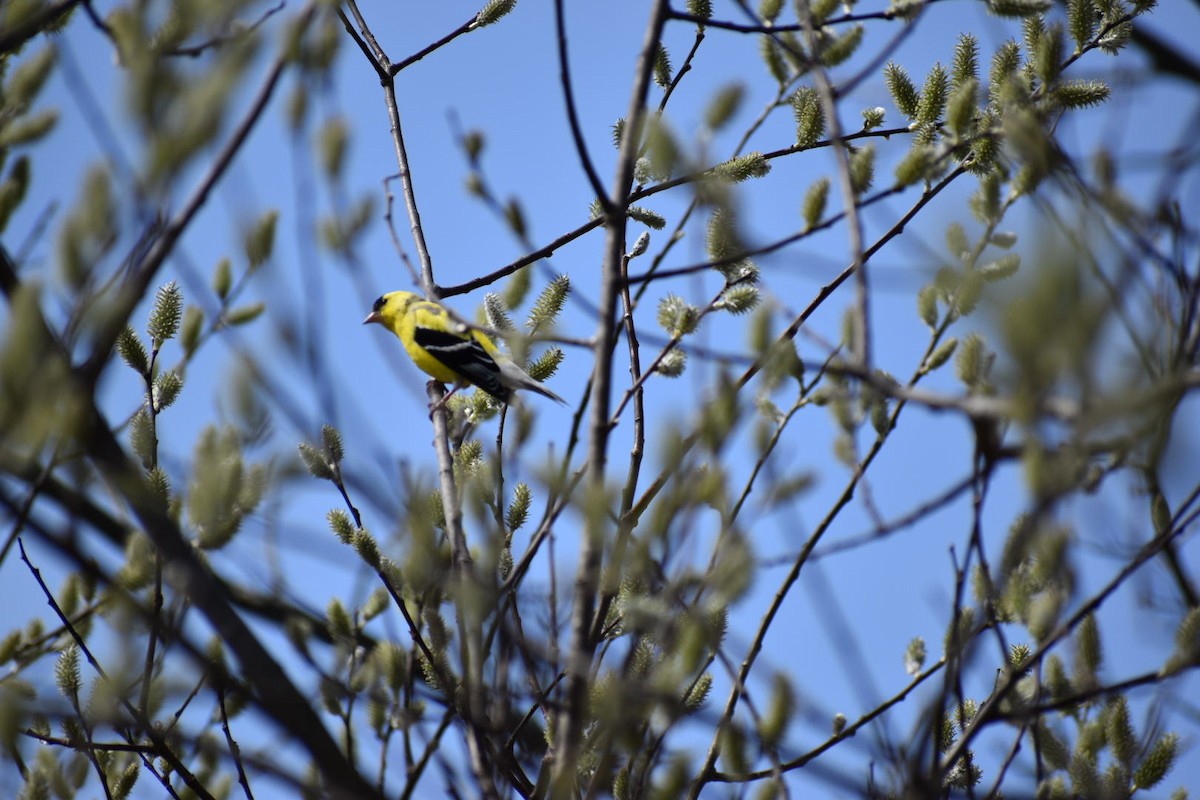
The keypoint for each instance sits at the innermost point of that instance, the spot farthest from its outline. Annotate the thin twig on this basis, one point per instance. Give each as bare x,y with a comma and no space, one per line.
564,79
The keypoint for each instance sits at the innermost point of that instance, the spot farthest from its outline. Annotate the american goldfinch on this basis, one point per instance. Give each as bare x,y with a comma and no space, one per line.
450,351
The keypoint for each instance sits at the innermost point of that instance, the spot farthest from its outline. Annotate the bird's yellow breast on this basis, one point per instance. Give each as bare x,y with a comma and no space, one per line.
420,356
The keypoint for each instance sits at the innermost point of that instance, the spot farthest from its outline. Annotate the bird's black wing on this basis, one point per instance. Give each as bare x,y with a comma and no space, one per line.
466,357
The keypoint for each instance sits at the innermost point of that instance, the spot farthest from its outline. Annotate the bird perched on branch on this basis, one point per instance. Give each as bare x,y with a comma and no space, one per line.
451,351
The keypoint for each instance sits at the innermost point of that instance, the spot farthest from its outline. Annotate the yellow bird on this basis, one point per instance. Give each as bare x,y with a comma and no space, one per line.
449,351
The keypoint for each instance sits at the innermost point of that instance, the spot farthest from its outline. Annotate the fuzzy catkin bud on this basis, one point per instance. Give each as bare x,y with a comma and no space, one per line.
640,245
1157,763
132,351
518,510
810,117
66,672
493,11
166,314
815,200
900,86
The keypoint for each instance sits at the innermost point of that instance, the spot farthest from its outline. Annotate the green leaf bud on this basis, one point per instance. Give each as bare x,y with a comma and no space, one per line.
338,620
985,203
518,509
1122,740
1018,8
315,461
724,105
772,56
676,316
662,66
672,364
496,313
12,190
940,356
340,524
160,486
651,219
493,11
640,245
618,131
1081,19
66,672
1001,268
222,280
193,321
165,315
838,49
723,239
970,364
1088,655
914,656
968,292
1079,93
244,314
549,304
956,241
221,490
132,351
1187,644
1161,513
873,117
662,151
1003,239
142,438
367,548
933,96
810,117
331,440
166,389
125,782
514,215
927,305
697,694
1005,64
966,61
739,299
439,634
332,141
28,128
517,288
915,165
1047,56
781,707
900,86
1085,778
815,200
544,366
27,80
862,169
741,168
1157,763
962,107
259,242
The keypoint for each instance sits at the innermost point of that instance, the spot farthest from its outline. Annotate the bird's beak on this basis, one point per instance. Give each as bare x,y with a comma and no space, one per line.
374,316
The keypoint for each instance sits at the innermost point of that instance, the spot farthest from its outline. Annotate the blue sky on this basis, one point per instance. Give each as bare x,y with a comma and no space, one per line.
503,82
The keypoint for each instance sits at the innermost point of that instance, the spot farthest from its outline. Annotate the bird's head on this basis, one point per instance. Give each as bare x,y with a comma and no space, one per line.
389,308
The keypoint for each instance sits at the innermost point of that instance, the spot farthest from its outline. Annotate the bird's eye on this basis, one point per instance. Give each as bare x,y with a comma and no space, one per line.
380,303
